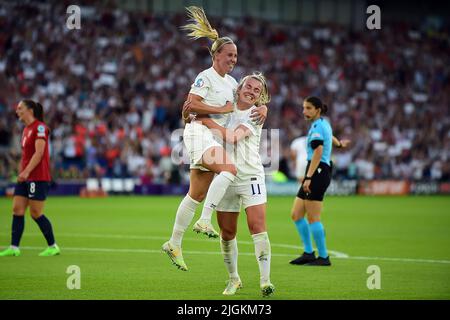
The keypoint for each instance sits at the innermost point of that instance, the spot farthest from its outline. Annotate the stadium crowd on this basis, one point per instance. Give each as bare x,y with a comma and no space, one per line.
113,90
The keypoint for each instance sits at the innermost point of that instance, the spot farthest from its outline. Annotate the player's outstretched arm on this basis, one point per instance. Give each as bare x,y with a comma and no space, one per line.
340,143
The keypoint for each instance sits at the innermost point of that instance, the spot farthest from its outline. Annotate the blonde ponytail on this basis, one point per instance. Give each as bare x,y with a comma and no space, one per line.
201,28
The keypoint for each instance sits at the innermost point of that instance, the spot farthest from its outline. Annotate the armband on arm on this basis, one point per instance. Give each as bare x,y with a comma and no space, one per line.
316,143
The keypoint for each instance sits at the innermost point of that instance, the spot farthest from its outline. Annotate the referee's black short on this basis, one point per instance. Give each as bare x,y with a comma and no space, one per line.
33,190
319,183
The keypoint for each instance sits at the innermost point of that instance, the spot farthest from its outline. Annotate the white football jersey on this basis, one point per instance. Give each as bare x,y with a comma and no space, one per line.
246,152
215,91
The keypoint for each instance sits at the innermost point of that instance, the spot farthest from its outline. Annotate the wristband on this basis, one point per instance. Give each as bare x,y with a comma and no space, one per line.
307,178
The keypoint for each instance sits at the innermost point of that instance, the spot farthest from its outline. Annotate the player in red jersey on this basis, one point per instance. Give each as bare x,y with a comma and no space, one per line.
33,180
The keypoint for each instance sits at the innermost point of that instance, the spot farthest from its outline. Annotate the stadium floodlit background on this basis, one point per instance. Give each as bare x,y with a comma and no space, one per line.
112,93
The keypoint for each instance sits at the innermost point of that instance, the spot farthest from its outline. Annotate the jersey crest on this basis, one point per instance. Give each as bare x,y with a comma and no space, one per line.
41,131
199,83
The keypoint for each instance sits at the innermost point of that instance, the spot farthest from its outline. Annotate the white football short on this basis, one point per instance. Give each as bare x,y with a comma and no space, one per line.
197,139
245,195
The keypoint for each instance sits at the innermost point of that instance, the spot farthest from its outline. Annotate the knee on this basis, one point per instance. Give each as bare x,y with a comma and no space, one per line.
295,215
18,210
227,234
257,228
35,213
231,169
197,196
313,218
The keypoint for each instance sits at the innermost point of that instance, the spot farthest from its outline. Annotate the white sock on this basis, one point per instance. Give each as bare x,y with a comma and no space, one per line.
263,255
215,193
230,256
185,214
14,247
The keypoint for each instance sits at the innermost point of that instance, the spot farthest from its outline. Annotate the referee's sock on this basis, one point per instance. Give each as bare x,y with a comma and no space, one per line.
304,232
46,229
318,233
18,225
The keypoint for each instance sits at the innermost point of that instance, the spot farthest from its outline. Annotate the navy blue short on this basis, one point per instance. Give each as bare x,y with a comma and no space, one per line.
320,181
33,190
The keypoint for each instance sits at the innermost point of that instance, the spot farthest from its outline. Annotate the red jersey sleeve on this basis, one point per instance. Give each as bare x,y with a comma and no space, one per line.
36,130
41,132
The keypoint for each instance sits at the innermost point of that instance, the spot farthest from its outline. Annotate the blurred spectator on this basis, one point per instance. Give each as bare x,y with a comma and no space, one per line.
112,91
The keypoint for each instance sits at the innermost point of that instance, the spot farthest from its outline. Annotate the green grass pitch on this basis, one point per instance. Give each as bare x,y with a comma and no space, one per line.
116,242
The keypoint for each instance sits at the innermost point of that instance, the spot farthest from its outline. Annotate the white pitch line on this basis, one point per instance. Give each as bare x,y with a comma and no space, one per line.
149,251
401,259
113,250
333,253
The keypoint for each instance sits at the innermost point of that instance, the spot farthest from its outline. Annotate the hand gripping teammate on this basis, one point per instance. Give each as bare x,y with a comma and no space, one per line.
249,188
211,93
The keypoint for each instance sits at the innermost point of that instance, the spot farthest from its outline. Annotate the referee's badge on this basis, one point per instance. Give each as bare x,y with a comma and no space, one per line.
319,170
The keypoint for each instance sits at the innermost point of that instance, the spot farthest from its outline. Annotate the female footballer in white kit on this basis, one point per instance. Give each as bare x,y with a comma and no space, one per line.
211,93
248,189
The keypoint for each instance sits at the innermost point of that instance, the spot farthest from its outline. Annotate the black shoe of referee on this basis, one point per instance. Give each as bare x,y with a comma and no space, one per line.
320,262
304,258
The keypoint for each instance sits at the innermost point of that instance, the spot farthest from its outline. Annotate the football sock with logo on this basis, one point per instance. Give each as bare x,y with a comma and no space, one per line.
216,192
230,256
263,255
185,214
